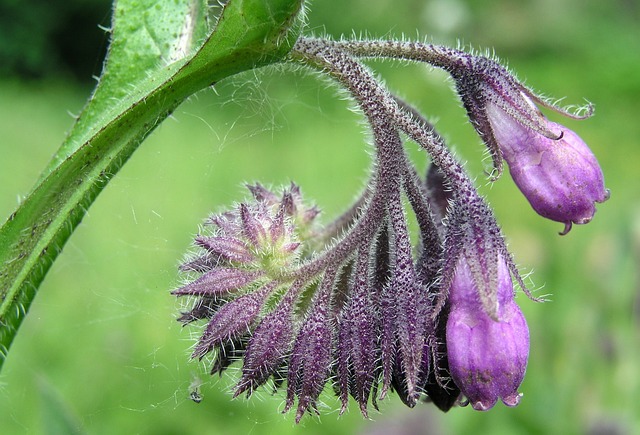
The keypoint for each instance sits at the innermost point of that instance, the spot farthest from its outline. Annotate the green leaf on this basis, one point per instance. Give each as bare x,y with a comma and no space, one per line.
146,35
138,90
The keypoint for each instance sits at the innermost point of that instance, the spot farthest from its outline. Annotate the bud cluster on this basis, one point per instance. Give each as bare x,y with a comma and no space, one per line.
357,304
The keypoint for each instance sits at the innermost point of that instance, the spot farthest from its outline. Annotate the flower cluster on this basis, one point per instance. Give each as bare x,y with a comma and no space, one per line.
356,304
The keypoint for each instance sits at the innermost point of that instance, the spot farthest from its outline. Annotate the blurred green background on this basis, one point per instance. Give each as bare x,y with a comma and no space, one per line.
101,348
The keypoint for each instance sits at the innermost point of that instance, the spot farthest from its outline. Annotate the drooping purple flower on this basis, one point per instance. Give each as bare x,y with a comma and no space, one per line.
560,177
555,170
487,357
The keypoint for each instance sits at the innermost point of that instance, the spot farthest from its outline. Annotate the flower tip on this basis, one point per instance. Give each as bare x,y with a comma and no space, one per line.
567,228
512,400
363,410
343,408
606,194
299,414
483,406
288,404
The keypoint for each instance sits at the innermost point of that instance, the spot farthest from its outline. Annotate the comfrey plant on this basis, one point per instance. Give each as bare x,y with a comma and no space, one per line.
353,304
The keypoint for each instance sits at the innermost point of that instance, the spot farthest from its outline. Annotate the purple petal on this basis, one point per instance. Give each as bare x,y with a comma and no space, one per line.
487,357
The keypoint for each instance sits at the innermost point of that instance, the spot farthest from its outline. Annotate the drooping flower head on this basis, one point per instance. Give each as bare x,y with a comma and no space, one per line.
240,264
364,303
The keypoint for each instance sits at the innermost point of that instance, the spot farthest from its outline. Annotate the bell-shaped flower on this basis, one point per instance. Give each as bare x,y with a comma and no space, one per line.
560,177
550,164
487,356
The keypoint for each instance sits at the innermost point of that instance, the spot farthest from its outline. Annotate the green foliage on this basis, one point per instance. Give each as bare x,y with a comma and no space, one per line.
150,70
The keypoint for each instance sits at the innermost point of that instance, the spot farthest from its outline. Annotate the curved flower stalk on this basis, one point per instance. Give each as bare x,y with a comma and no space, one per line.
360,303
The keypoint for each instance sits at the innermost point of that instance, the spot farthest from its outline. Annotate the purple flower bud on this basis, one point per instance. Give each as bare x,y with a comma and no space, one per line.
232,319
310,360
560,177
252,228
487,357
268,346
262,194
219,281
551,165
357,353
229,248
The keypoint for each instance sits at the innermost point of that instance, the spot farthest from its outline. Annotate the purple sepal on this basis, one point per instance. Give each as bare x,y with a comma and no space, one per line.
218,282
269,345
252,229
310,361
229,248
357,351
409,324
